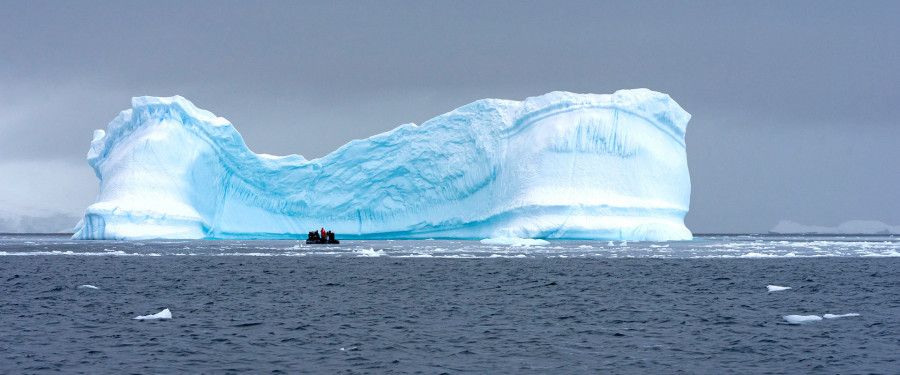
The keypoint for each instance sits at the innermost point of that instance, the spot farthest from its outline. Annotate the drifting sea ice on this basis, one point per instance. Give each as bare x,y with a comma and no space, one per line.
801,319
165,314
369,253
776,288
832,316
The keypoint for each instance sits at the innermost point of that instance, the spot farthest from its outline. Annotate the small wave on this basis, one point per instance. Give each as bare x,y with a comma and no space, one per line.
87,286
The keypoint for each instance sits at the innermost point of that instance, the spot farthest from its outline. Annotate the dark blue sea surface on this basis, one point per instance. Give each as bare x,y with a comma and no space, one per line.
432,307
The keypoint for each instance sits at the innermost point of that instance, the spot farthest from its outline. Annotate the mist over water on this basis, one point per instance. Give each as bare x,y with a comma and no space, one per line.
441,306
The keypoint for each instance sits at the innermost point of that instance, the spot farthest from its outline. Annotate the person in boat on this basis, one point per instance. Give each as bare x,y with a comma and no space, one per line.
323,233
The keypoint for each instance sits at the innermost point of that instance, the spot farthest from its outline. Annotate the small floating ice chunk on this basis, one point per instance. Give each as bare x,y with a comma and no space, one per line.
514,241
369,253
165,314
758,255
86,286
776,288
801,319
832,316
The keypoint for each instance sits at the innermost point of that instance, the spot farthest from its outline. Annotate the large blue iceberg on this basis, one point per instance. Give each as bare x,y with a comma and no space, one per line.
560,165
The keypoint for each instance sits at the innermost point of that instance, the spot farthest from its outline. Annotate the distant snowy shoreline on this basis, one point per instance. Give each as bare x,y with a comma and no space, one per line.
849,227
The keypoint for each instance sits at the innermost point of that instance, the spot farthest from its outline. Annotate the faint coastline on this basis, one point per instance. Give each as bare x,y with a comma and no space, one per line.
867,227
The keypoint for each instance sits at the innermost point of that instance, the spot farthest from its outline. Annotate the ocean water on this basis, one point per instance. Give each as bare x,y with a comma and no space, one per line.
432,307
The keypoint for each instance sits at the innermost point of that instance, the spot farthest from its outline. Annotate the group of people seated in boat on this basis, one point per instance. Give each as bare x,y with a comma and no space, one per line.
321,235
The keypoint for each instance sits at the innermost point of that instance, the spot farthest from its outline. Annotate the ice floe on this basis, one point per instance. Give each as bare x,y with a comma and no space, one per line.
369,253
801,319
165,314
832,316
776,288
86,286
758,255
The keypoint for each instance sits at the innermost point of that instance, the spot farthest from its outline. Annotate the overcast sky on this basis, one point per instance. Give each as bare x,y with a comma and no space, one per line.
795,104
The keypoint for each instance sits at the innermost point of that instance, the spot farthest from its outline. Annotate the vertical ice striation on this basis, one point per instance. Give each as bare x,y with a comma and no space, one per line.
561,165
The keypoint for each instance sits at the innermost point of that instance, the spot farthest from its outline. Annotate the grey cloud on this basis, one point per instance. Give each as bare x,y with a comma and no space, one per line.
794,103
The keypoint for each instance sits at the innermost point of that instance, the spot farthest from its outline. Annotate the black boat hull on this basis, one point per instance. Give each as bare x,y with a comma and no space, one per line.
322,242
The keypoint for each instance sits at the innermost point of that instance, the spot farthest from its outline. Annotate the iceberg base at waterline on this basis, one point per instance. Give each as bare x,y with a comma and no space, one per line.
556,166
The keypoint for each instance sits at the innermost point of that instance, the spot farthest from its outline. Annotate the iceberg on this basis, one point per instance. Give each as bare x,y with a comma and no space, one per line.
558,166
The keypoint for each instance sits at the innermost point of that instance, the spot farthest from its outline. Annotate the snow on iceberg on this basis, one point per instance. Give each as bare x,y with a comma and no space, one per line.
165,314
560,165
849,227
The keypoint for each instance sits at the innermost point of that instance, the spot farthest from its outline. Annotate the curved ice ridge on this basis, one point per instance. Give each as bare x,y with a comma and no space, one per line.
560,165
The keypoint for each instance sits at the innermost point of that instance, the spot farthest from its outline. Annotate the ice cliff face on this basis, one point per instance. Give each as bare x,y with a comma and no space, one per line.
561,165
